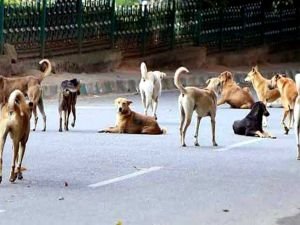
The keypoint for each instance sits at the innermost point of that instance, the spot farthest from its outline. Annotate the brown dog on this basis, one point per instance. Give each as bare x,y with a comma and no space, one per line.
70,89
15,120
8,85
233,94
288,92
131,122
203,101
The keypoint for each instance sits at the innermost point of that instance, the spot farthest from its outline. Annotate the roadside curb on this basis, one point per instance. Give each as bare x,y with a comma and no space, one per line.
102,87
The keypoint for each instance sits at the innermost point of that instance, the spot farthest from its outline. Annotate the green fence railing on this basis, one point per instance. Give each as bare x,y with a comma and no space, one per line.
39,28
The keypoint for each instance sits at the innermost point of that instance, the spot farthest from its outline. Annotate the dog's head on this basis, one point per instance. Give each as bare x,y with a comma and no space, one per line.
273,82
259,109
225,77
76,84
122,105
251,75
214,83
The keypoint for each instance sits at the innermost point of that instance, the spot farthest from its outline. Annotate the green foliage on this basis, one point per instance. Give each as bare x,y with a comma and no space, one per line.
127,2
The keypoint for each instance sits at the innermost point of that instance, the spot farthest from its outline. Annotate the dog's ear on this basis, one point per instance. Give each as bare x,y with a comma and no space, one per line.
129,102
208,81
255,68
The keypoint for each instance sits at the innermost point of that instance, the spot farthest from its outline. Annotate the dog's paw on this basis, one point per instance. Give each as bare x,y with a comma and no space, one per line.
215,144
102,131
196,144
286,130
73,124
13,177
0,179
20,176
298,158
60,130
183,145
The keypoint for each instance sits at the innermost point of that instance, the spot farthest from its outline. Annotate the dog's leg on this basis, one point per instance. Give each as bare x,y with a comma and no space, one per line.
60,120
221,101
283,121
213,130
42,111
13,175
291,118
187,121
182,119
144,101
74,115
21,153
155,103
246,106
110,130
259,134
35,117
268,135
2,142
197,131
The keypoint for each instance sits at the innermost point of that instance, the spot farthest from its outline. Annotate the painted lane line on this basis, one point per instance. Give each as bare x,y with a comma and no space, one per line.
125,177
239,144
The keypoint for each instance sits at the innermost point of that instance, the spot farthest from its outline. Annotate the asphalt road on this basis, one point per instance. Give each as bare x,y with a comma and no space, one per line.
151,180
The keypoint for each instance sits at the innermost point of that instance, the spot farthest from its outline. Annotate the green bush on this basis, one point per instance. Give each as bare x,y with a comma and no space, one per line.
127,2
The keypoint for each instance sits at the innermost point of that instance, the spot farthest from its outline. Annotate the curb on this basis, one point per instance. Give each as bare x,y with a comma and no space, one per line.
102,87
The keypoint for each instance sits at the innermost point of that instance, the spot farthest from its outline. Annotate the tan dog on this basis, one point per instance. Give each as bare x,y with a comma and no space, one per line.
131,122
233,94
203,101
15,120
8,85
214,83
288,92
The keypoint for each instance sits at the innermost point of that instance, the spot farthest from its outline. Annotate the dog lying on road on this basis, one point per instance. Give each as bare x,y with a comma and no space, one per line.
8,85
251,125
203,101
288,92
15,120
297,114
150,88
131,122
233,94
69,91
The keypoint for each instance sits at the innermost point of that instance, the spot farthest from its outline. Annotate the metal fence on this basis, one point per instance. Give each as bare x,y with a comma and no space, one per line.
55,27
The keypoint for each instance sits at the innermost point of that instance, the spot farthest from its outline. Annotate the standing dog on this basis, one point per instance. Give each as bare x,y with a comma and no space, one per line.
203,101
8,85
260,85
251,125
288,92
150,88
15,120
69,91
233,94
131,122
297,114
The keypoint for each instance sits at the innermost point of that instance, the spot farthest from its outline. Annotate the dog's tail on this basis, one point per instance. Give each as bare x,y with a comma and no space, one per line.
15,99
297,79
177,82
144,71
48,70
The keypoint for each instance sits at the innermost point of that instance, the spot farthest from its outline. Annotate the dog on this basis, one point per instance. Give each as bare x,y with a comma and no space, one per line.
69,91
233,94
132,122
8,85
297,114
288,92
214,83
150,88
260,85
251,125
15,120
203,101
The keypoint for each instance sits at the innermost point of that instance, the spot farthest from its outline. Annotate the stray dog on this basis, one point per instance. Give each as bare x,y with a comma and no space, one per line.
8,85
15,120
233,94
214,84
297,114
69,91
203,101
150,88
131,122
260,85
251,125
288,92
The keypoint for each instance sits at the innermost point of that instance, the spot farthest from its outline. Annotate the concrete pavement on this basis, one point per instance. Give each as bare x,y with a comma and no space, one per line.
126,81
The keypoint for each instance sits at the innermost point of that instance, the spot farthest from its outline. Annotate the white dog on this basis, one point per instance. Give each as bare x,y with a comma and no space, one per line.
297,114
150,88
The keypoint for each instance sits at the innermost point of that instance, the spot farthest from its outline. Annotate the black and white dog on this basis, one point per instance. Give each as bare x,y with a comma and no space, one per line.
251,125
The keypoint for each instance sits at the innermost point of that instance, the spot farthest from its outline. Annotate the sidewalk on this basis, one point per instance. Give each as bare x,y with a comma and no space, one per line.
122,81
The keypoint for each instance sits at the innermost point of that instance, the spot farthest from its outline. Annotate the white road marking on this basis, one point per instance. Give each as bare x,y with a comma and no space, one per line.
2,210
239,144
125,177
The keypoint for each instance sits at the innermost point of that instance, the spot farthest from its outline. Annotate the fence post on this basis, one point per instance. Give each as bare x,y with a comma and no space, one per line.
79,22
113,23
172,7
262,21
1,26
199,23
42,31
221,25
144,14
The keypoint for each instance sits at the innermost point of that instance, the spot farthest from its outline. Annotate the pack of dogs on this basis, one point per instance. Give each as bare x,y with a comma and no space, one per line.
21,96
